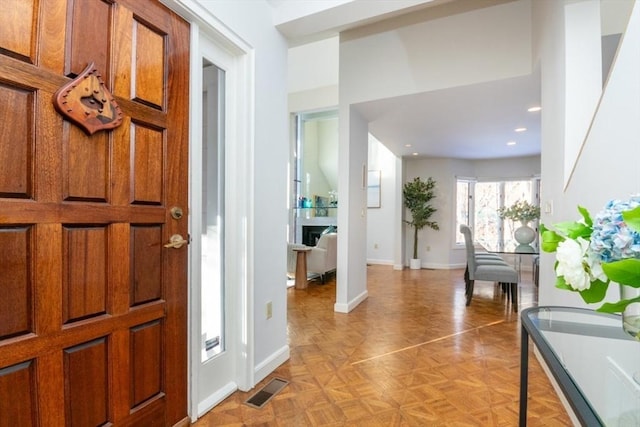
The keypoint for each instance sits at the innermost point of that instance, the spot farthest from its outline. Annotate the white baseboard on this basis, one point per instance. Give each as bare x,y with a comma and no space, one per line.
380,261
429,265
271,363
346,308
212,400
436,266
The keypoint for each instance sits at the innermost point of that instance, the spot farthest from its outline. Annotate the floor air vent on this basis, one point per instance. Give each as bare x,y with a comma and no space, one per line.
265,394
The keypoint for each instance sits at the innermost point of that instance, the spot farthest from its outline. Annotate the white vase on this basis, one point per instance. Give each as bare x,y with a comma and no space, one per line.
631,314
414,263
524,234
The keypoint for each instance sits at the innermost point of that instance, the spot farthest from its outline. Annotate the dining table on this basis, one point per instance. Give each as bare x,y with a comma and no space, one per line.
517,251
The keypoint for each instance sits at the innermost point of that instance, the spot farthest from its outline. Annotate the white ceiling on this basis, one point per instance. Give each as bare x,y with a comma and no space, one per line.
470,122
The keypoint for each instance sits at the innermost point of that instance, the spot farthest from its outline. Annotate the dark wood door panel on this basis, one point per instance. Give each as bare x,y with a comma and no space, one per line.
149,65
148,165
87,383
146,264
93,311
89,35
16,301
17,394
85,266
86,165
18,24
17,137
147,377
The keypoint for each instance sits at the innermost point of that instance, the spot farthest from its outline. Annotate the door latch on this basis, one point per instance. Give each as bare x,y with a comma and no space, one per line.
176,241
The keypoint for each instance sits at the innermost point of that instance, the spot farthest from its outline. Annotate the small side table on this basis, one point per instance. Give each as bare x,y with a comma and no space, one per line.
301,267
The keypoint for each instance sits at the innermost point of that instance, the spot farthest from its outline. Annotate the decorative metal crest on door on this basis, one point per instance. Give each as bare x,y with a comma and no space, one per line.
87,102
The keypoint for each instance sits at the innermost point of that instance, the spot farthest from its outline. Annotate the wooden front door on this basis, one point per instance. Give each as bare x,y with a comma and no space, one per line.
93,306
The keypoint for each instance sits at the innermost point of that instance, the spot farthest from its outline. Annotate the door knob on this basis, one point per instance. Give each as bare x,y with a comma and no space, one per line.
176,241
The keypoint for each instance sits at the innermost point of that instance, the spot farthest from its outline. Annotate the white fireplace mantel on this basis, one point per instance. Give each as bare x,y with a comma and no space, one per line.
314,221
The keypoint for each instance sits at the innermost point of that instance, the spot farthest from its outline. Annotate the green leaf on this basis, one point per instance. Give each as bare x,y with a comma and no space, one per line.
632,218
625,271
550,240
573,229
596,292
585,215
561,284
617,307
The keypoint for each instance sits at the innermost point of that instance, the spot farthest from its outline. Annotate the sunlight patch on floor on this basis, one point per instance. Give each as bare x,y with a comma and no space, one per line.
429,342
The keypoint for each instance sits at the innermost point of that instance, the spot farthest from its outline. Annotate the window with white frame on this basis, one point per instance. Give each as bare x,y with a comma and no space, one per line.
464,211
477,204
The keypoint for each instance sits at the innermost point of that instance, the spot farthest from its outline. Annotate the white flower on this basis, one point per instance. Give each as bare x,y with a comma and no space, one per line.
571,263
595,266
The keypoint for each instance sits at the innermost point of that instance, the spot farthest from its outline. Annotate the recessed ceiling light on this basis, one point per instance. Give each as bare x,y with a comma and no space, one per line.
415,154
407,145
520,129
534,109
511,143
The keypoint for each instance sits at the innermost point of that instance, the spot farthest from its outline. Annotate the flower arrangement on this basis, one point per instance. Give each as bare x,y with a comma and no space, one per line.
521,210
591,254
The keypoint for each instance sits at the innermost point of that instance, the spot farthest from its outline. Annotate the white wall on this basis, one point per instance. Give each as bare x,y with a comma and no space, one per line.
252,22
443,51
313,76
583,67
606,166
380,228
519,167
313,65
328,152
351,274
314,181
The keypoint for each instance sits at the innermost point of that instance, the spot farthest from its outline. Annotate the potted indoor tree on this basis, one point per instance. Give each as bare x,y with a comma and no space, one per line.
417,198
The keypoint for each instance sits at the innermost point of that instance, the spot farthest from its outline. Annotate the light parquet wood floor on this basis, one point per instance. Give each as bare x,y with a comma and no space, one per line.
411,354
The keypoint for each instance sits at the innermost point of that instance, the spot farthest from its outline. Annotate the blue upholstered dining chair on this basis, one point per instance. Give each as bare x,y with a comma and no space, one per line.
488,267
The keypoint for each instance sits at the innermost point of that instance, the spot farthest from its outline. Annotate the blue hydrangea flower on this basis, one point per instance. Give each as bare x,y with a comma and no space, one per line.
611,239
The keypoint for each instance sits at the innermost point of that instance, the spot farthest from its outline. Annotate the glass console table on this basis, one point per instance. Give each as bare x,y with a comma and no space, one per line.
595,363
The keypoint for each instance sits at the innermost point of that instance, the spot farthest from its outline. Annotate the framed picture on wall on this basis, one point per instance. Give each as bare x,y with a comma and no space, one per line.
373,189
